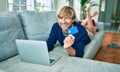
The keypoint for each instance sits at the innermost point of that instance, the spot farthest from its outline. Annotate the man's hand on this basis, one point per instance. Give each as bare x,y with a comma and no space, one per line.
68,41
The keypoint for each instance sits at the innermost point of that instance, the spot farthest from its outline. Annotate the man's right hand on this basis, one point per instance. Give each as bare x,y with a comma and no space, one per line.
68,41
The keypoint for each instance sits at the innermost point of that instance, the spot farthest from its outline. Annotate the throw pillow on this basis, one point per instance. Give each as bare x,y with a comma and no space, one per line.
37,25
10,29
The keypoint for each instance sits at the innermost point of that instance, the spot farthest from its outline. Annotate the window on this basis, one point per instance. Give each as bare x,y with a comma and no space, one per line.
43,5
14,5
39,5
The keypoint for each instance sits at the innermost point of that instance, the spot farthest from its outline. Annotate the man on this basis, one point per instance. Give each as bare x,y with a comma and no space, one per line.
73,43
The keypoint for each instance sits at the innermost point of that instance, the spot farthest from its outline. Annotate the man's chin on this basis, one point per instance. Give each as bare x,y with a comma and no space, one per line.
64,29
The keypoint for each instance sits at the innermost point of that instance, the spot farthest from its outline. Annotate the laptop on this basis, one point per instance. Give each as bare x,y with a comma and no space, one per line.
33,51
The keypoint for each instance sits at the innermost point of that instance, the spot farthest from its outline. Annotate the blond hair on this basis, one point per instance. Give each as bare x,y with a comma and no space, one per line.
66,11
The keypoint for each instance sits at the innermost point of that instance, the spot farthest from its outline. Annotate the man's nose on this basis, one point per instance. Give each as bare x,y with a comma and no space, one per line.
63,20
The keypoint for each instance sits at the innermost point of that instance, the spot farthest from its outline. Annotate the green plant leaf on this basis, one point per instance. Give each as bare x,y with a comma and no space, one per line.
67,0
83,2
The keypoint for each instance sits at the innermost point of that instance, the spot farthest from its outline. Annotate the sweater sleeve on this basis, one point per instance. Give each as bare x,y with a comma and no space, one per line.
52,38
81,39
79,48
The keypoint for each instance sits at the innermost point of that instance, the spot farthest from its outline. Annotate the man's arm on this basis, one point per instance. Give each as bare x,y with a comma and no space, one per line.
51,39
71,51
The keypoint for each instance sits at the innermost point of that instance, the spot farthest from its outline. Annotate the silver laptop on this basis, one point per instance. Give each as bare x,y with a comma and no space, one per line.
34,52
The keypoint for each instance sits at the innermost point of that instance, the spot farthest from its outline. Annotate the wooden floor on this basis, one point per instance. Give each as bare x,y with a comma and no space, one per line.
106,54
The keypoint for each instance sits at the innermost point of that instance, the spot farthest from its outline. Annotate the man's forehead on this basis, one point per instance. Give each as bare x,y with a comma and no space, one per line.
67,15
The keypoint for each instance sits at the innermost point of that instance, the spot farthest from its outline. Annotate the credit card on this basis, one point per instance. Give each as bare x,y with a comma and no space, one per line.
72,30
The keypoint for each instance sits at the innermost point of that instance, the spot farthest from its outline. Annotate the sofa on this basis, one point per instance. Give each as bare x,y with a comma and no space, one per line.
32,25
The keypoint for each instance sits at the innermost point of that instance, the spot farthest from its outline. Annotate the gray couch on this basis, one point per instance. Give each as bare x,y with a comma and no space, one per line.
36,26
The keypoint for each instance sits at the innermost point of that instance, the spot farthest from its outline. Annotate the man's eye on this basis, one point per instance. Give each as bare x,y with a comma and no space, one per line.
68,18
60,17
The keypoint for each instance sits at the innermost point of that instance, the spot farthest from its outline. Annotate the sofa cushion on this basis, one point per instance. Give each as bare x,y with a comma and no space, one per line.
10,29
37,25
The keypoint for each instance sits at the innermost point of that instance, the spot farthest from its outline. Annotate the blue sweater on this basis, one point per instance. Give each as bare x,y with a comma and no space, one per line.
81,38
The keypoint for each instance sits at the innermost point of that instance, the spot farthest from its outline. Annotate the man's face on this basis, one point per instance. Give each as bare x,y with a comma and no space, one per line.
65,22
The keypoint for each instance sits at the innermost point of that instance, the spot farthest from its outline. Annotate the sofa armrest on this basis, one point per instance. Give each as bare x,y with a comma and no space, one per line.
100,25
90,50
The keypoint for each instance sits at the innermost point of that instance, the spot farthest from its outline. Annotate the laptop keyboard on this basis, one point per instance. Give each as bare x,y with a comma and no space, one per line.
52,60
